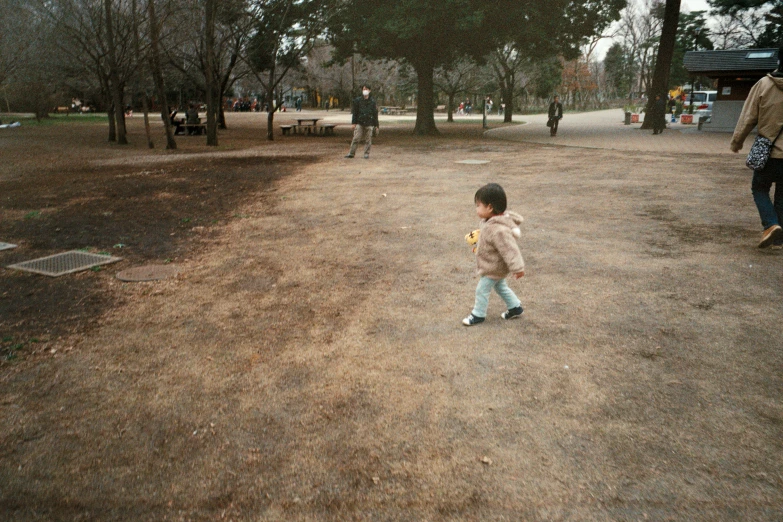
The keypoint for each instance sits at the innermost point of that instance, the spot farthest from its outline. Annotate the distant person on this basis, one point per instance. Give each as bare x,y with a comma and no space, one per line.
177,123
497,254
327,105
191,118
672,107
555,115
764,108
489,105
658,114
365,120
299,105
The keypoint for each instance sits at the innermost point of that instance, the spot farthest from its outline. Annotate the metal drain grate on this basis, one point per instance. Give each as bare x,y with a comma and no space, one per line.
6,246
65,263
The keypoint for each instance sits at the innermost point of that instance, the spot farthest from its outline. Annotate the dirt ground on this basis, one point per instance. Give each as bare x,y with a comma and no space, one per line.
309,362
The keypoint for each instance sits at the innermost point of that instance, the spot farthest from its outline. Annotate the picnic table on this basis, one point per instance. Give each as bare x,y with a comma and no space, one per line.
309,126
306,124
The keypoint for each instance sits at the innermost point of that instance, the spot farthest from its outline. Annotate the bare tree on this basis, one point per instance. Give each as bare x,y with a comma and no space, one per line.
458,78
115,87
640,29
285,32
140,73
83,37
19,29
157,73
508,63
213,95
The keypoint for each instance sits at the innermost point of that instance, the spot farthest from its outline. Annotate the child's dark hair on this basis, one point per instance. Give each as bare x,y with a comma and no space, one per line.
492,194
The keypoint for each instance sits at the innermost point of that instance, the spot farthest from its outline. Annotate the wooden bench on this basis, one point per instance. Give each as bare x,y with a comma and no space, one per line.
286,129
327,129
194,128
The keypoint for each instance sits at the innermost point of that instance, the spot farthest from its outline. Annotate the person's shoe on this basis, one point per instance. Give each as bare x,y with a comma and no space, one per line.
512,313
349,155
366,156
472,320
770,235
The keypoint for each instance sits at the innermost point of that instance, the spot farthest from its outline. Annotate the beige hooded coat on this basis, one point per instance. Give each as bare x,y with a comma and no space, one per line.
498,254
764,107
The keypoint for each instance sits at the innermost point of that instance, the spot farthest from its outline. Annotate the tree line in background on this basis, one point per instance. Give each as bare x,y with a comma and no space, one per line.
156,54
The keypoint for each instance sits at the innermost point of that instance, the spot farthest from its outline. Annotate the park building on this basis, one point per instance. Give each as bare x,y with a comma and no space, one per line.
736,72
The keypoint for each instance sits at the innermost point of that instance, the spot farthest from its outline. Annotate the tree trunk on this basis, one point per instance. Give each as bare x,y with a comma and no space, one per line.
507,90
146,109
157,75
112,123
221,116
425,110
145,98
270,116
270,99
450,118
213,92
114,77
663,62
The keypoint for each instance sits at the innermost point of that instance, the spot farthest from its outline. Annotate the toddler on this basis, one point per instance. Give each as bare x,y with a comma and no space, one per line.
497,254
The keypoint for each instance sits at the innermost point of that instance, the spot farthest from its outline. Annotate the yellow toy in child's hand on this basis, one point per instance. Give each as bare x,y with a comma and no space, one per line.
472,239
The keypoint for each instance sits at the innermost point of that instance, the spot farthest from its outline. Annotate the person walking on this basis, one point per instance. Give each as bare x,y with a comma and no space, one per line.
659,114
365,121
555,115
764,108
497,254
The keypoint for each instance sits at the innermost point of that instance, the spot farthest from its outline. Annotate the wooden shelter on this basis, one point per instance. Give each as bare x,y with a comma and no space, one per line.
736,70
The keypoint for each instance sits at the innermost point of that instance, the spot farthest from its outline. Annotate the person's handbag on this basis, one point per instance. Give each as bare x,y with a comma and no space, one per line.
549,122
760,151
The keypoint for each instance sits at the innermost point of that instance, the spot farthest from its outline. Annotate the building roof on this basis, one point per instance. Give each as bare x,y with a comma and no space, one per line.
732,62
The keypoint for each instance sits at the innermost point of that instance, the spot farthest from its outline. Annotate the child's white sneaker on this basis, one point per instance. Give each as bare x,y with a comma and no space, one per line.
472,320
513,313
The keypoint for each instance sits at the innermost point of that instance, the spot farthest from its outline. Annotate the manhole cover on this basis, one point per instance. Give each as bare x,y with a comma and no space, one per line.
65,263
6,246
472,162
148,273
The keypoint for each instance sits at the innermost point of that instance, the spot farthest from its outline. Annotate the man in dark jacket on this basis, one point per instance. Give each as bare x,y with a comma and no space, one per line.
364,120
659,115
555,115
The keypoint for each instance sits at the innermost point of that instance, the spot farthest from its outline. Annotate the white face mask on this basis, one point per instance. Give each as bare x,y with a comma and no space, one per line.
366,92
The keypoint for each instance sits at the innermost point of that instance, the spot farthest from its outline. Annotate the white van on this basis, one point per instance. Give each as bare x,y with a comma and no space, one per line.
703,100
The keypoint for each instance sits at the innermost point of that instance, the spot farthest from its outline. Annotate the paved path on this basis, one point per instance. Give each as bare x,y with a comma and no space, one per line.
605,130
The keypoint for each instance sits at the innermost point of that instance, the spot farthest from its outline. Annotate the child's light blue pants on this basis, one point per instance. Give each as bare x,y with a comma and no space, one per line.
485,286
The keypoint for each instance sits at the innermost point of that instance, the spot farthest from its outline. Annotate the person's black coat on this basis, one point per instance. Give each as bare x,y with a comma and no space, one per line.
556,110
365,112
659,108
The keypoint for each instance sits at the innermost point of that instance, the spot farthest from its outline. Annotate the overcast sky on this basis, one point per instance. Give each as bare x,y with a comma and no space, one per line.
685,6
